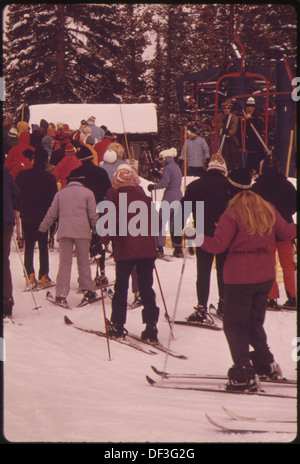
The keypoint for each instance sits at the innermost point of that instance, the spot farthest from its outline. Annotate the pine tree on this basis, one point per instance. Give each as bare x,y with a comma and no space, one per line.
60,53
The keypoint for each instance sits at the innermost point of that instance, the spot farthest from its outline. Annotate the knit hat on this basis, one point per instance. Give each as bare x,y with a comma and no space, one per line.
22,126
172,153
110,156
69,149
44,124
13,133
84,153
91,119
250,101
192,130
47,141
217,162
238,180
227,104
125,176
90,140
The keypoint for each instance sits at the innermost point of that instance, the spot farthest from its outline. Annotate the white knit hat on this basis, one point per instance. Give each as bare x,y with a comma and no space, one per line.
217,162
172,152
110,156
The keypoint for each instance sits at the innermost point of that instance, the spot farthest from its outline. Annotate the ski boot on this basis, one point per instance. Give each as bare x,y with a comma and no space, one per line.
272,305
89,296
150,333
242,377
177,253
116,330
32,282
44,282
290,304
199,315
61,301
265,370
7,307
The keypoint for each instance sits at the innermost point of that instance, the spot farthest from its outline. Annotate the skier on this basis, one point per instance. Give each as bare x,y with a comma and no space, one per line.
278,190
196,151
96,179
212,188
68,163
96,131
110,163
75,208
101,147
249,141
129,251
231,143
170,180
38,188
248,228
11,193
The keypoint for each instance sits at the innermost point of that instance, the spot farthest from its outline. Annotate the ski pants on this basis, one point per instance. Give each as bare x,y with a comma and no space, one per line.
244,315
286,259
144,269
31,235
85,281
204,266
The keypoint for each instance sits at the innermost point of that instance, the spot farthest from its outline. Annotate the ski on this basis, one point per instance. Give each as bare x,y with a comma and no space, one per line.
220,388
9,320
123,341
238,417
281,309
85,301
165,258
50,297
239,431
37,289
158,346
167,375
198,324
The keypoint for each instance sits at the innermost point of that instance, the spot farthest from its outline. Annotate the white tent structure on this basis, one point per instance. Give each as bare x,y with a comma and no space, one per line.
136,118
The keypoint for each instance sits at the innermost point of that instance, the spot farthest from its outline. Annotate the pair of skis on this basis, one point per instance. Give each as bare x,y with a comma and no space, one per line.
132,340
215,384
237,418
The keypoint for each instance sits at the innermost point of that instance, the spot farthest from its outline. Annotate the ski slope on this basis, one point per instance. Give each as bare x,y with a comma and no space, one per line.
60,386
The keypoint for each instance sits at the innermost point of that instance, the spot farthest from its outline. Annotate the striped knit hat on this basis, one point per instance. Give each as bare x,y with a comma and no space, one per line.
125,176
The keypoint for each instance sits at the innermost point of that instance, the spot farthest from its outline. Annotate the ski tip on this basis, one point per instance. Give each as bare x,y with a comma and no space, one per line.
150,381
67,320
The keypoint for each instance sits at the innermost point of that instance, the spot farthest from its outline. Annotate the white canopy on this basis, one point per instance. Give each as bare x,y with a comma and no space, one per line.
136,118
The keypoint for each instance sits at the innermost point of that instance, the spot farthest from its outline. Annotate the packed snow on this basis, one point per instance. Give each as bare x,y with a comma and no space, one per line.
60,385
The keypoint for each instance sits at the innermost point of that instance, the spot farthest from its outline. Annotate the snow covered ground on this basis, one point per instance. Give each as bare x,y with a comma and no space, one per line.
60,386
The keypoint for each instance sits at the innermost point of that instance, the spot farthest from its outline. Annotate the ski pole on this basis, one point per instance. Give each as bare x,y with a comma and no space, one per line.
26,275
164,303
103,307
223,138
259,137
185,251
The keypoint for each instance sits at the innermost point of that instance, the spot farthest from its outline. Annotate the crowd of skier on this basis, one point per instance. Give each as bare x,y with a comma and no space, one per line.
54,178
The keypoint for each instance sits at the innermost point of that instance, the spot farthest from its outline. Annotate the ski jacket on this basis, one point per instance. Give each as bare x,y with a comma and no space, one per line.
275,188
101,147
196,150
15,160
93,177
249,260
212,189
127,246
170,180
64,167
38,188
75,208
11,193
232,128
